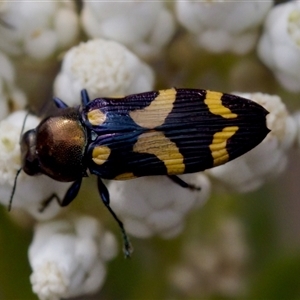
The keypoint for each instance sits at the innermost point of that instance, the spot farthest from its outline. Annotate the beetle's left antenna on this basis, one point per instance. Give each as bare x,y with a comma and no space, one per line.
19,171
13,189
23,126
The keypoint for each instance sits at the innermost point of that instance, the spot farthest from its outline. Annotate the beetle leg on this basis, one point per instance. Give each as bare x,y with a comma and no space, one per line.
68,198
85,99
103,191
59,103
183,184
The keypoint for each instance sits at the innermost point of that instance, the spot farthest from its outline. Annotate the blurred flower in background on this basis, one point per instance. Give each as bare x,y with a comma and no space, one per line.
10,94
220,26
37,29
214,266
145,27
188,244
279,46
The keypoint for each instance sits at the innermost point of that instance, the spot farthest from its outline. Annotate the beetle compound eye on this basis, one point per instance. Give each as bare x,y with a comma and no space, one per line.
30,163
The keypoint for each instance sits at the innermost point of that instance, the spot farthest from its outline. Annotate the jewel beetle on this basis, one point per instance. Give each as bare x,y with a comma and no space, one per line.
167,132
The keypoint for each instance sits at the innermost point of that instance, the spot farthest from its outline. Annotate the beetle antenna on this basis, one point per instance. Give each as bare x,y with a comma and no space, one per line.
23,125
13,189
19,171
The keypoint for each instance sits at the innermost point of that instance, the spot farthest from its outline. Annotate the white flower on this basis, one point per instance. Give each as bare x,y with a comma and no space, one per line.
156,205
223,25
104,68
144,27
279,46
30,190
10,95
68,257
215,266
37,28
269,158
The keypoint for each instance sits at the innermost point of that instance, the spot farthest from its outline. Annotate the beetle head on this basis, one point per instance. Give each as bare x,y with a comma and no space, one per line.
30,162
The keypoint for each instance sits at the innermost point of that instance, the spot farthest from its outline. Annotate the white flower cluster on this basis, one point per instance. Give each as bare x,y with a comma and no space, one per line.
38,28
220,26
10,94
145,27
156,205
279,46
68,257
104,68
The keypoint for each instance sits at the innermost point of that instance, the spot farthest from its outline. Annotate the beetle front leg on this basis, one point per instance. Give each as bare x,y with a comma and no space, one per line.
85,99
70,195
103,191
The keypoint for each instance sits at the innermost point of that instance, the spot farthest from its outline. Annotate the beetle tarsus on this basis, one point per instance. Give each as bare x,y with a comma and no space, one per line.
127,249
184,184
70,195
47,201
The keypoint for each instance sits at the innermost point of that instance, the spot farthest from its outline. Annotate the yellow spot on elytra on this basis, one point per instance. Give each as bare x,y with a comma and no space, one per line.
125,176
215,106
155,114
164,149
218,145
100,154
96,117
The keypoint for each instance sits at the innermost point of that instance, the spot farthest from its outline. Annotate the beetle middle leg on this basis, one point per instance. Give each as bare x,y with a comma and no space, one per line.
70,195
183,184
